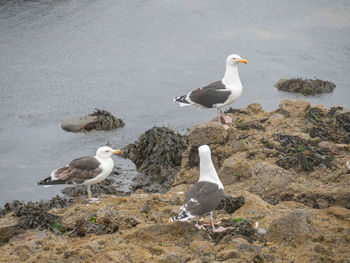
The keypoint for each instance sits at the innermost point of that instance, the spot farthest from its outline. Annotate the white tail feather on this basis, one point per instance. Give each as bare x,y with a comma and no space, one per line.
184,104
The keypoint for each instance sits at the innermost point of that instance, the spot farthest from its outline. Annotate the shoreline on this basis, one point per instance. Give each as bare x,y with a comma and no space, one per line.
289,165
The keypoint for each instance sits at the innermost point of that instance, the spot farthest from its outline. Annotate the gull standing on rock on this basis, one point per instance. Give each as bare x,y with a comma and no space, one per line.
205,195
85,170
220,93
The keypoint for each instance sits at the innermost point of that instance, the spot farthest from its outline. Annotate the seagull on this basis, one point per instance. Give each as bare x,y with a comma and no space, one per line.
85,170
205,195
220,93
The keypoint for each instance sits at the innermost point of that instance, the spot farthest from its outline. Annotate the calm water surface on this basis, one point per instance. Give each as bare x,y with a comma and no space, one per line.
60,59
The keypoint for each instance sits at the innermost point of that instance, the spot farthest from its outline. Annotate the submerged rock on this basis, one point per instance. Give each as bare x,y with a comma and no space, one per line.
305,86
157,156
99,120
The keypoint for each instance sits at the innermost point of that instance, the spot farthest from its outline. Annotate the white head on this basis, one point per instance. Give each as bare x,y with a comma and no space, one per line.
204,154
206,167
106,152
234,59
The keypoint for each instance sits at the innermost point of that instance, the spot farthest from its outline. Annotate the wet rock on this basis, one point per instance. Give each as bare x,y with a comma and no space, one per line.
293,108
271,180
234,169
157,155
207,133
305,86
230,204
98,120
294,227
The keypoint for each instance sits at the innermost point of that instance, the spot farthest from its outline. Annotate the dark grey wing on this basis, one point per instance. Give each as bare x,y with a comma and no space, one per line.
79,170
211,94
202,198
85,163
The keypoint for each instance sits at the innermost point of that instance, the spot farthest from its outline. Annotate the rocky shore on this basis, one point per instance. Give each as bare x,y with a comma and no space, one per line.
287,199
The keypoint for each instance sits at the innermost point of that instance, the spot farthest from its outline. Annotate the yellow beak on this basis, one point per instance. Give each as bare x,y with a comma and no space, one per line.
243,61
117,151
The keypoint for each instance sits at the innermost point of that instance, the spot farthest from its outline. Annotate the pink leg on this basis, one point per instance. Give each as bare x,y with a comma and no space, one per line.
197,225
227,119
215,230
220,114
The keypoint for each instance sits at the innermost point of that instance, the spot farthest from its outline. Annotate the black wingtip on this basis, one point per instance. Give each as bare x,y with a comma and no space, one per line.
49,181
181,99
182,216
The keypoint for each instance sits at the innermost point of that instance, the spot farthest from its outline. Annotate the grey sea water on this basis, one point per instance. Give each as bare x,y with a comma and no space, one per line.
60,59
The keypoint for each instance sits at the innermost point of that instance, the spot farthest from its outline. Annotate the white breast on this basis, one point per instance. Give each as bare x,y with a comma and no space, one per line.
107,167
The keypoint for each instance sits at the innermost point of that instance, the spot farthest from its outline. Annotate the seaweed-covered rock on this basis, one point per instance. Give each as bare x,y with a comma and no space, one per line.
332,125
157,155
55,202
242,228
230,203
99,120
305,86
31,215
296,152
105,187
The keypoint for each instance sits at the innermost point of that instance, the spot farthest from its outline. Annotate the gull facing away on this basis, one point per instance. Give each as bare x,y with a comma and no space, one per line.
220,93
85,170
205,195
